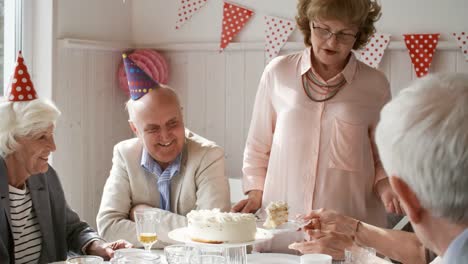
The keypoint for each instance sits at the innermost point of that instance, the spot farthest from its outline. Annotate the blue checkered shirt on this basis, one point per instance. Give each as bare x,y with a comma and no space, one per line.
164,177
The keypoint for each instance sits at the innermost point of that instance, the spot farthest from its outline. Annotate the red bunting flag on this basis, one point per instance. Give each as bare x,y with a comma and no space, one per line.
234,19
462,40
421,47
187,8
373,52
277,32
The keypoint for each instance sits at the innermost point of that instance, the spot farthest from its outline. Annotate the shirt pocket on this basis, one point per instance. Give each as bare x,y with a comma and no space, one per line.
347,146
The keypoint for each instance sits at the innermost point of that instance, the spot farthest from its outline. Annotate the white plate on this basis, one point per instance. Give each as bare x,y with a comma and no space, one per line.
181,235
272,258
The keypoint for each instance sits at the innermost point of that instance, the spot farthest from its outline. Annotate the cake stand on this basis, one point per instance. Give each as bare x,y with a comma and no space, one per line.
235,253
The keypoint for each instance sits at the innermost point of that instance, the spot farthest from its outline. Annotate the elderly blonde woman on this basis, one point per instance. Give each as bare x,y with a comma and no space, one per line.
36,223
311,138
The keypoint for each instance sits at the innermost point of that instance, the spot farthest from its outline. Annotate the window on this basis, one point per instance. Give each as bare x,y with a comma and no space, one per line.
11,34
2,12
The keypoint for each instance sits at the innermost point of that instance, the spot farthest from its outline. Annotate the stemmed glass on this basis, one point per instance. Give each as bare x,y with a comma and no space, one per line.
146,222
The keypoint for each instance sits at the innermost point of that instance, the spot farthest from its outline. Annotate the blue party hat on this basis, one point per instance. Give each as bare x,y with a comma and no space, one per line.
139,83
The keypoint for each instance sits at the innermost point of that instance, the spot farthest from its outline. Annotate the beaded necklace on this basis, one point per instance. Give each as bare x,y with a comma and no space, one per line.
311,82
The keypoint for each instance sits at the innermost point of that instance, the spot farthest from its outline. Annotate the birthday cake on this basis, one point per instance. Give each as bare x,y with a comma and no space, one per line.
216,227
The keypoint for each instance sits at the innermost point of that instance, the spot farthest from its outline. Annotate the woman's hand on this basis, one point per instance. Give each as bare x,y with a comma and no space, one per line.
325,242
251,204
106,250
389,198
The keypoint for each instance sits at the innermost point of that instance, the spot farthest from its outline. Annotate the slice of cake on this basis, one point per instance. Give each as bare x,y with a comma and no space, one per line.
277,214
216,227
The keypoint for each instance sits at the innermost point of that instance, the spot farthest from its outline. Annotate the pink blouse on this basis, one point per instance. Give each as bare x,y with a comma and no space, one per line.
317,155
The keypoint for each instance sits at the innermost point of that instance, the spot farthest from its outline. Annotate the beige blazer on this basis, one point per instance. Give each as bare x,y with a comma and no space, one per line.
200,184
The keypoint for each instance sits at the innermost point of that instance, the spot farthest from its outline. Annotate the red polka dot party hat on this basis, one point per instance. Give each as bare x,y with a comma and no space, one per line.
21,86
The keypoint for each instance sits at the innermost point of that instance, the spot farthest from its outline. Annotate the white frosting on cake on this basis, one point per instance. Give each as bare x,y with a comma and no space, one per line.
213,226
277,214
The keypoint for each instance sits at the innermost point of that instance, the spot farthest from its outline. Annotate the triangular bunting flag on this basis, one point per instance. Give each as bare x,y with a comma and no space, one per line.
373,52
21,86
277,32
421,47
462,40
234,19
187,8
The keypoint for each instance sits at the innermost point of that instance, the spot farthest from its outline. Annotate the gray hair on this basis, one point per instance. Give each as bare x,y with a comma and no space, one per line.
20,119
422,138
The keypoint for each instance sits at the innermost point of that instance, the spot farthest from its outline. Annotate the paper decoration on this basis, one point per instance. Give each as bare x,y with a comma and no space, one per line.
277,32
421,47
187,8
462,41
151,62
373,52
234,19
21,87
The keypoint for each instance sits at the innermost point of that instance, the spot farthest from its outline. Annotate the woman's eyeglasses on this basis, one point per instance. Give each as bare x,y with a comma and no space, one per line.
341,37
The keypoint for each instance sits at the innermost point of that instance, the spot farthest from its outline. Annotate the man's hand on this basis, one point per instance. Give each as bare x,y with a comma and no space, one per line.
330,221
388,197
251,204
137,207
106,250
326,242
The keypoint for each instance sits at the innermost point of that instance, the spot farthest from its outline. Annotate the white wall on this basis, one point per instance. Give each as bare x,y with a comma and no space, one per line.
106,20
154,20
217,89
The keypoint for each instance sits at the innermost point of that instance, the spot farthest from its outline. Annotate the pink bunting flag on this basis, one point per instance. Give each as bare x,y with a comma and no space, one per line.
234,19
421,47
277,32
373,52
187,8
462,40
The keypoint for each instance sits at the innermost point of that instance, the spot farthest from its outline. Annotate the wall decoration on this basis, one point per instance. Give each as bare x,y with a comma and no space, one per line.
277,32
187,8
373,52
462,41
234,19
151,62
421,47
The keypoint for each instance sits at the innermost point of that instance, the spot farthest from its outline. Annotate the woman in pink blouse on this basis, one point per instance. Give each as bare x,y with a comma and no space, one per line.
311,139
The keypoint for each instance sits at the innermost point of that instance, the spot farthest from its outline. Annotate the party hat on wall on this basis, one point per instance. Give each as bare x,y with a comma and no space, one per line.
139,83
21,87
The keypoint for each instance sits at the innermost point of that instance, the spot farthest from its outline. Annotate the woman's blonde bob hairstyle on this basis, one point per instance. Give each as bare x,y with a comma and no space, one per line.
362,13
20,119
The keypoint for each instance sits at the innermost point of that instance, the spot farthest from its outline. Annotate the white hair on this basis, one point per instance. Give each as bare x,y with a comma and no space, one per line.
422,138
20,119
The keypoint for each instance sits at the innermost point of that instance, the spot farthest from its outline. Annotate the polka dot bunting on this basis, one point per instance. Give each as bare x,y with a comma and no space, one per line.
234,19
277,32
462,41
421,48
21,86
373,52
187,8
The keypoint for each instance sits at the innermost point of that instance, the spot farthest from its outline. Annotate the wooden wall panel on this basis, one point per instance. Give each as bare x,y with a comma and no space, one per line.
217,91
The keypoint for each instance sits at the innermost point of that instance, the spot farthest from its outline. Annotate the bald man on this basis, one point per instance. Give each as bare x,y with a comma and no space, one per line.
166,167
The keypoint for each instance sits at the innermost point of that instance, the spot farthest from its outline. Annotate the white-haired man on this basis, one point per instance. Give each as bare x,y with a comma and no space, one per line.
422,139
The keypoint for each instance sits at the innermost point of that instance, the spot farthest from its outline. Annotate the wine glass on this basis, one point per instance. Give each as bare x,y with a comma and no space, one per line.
146,222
